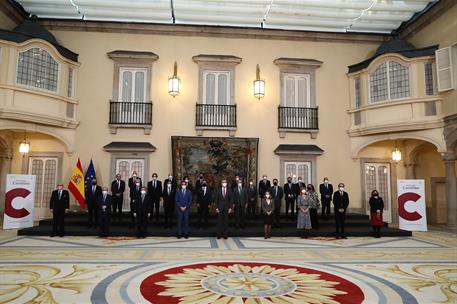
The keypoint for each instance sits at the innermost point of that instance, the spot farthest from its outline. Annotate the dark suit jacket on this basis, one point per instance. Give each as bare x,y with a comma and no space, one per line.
326,191
92,198
290,191
142,207
183,199
198,185
239,199
340,201
264,186
277,196
251,193
376,204
115,190
174,183
106,202
298,187
155,193
59,205
205,200
132,186
223,204
168,200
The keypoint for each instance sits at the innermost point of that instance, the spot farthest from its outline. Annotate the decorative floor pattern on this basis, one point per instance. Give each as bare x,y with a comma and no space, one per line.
418,269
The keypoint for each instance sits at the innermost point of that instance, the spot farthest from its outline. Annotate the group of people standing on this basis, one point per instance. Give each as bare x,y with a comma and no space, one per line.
237,198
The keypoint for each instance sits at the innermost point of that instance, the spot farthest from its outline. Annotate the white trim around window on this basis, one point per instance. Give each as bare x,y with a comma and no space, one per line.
297,90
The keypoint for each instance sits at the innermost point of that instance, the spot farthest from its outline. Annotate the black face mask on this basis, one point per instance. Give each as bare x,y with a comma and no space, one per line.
309,189
204,185
275,183
289,181
94,183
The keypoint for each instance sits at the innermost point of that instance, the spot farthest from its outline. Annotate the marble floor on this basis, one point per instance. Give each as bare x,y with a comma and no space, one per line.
417,269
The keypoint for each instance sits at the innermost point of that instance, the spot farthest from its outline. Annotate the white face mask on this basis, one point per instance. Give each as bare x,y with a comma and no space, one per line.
134,175
264,178
326,181
303,192
183,186
341,188
105,192
143,192
299,180
138,184
267,195
154,177
186,180
239,184
224,184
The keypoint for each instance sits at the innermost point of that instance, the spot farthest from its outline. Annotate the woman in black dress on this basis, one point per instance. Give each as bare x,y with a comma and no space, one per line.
376,207
268,207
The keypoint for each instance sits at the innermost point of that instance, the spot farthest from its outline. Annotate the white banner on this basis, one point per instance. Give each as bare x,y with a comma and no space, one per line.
411,204
19,201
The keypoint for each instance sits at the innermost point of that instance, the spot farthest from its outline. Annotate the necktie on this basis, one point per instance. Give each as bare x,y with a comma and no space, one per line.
154,184
60,194
118,185
239,190
104,198
168,191
93,189
341,193
223,192
183,191
204,192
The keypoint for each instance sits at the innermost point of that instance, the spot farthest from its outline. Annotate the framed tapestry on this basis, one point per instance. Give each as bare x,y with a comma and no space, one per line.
215,157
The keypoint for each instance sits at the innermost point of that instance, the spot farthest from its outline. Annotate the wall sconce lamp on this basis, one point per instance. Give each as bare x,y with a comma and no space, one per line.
396,154
259,85
24,146
174,82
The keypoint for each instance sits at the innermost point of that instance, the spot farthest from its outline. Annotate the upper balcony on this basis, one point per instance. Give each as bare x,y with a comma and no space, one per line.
37,78
296,119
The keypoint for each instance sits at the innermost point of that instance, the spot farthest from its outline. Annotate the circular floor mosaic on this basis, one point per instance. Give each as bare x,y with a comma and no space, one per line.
248,283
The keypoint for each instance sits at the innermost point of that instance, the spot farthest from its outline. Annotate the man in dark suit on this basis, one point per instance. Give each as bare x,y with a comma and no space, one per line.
117,191
171,179
93,192
340,203
135,184
142,209
60,201
240,201
252,199
264,185
290,193
104,210
235,182
277,193
183,201
155,193
223,208
199,182
168,196
326,191
204,200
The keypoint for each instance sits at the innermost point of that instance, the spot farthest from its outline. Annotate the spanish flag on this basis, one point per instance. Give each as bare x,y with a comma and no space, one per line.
76,184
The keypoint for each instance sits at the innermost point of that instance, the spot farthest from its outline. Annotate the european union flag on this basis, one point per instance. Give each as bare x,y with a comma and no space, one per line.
90,174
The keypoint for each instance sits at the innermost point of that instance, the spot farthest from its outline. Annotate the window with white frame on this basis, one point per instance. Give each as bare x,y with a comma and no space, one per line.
428,73
296,90
132,84
357,92
216,87
389,81
71,83
37,68
125,167
446,67
45,170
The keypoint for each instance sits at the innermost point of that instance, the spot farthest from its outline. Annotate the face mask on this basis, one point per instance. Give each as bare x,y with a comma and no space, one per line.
275,183
118,177
251,183
186,180
201,177
264,178
134,175
154,177
224,184
183,186
143,192
239,184
341,188
309,189
326,181
94,182
289,180
299,180
105,192
170,177
267,195
303,192
137,184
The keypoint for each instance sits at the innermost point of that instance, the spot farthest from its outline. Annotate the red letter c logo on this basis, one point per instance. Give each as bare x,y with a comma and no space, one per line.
9,209
402,199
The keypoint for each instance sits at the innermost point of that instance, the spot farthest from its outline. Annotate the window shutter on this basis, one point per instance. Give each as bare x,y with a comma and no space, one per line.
222,89
210,89
290,92
126,86
139,86
444,69
302,93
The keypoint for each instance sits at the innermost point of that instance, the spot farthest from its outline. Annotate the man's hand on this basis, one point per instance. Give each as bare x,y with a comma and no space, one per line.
183,209
134,214
230,210
341,210
149,214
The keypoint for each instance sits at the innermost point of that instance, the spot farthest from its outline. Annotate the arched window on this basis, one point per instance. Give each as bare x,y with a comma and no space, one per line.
389,81
38,69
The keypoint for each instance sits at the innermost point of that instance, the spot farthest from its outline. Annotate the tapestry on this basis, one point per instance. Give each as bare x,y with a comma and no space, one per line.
216,157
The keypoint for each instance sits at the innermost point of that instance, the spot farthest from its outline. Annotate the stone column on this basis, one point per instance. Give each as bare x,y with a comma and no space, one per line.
5,167
410,170
451,188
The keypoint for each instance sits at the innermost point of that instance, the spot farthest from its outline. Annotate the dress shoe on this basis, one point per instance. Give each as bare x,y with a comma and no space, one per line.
52,235
225,237
218,237
186,236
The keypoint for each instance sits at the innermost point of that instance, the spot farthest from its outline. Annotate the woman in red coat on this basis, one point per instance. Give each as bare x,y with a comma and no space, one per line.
376,207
